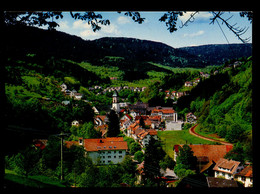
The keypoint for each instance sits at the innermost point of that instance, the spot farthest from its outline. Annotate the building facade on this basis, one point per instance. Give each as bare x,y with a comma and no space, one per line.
103,150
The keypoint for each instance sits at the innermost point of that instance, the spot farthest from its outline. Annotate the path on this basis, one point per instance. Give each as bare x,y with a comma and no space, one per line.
192,132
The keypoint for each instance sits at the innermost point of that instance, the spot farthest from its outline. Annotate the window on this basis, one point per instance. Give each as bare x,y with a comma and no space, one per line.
120,156
120,152
109,157
114,156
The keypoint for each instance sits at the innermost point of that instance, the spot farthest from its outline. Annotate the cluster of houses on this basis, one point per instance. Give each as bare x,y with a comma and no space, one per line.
192,83
220,172
141,122
100,89
73,94
175,94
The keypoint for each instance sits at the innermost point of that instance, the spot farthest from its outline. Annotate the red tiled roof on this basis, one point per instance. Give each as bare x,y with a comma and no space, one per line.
109,143
40,143
70,143
247,172
213,152
227,164
164,111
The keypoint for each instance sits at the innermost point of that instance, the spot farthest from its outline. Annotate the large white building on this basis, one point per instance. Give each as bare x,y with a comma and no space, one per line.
103,150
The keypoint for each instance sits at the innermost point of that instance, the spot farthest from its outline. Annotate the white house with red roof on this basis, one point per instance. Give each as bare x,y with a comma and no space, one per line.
227,168
103,150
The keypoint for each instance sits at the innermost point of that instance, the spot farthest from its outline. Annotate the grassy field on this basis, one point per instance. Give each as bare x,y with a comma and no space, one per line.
40,181
171,138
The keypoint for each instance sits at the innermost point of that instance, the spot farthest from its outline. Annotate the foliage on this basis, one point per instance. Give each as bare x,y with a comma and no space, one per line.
167,162
113,124
229,110
186,162
134,147
86,131
152,157
139,156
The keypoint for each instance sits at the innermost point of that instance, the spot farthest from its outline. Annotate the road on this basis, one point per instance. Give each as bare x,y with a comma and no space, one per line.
192,132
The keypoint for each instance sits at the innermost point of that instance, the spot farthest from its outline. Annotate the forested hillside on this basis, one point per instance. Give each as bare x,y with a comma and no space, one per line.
62,45
217,54
223,104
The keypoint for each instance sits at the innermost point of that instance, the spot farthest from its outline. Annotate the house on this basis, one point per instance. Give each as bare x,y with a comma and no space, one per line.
63,87
206,154
196,81
245,176
165,113
227,168
143,88
237,63
113,78
95,110
77,96
153,122
140,107
124,124
179,94
131,129
191,118
40,143
134,113
75,123
145,136
65,102
188,84
103,150
100,120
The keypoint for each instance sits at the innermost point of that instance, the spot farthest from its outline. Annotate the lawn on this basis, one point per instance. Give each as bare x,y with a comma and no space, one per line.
171,138
40,181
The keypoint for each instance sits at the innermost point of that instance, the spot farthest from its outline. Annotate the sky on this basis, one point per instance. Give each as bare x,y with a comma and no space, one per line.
199,32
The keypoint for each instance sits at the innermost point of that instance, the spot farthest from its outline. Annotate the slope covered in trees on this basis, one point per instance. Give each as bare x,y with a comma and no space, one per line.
62,45
223,105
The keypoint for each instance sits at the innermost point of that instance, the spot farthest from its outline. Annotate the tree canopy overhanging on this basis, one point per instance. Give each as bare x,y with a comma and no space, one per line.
49,19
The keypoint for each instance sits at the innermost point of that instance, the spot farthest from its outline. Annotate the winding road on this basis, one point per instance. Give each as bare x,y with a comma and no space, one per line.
192,132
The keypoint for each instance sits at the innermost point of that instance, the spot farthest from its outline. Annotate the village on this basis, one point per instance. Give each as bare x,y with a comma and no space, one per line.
141,123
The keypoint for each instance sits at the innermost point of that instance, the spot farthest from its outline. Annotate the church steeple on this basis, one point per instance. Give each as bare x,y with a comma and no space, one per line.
115,99
115,104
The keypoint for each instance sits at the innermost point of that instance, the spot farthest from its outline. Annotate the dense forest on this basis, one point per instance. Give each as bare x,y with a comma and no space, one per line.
223,104
62,45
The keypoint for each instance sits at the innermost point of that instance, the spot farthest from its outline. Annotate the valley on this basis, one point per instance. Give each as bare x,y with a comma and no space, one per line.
112,97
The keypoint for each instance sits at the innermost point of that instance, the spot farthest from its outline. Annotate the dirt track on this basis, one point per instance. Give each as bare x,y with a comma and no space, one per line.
192,132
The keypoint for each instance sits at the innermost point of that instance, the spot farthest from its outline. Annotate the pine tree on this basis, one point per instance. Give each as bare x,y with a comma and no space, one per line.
152,157
113,124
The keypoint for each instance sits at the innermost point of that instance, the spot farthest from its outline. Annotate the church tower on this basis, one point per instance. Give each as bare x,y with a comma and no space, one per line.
115,104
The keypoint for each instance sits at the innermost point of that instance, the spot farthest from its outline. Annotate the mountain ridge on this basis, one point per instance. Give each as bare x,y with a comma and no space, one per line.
63,45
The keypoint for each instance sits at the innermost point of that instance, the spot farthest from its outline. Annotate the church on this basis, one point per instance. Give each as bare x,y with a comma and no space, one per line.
115,103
